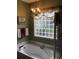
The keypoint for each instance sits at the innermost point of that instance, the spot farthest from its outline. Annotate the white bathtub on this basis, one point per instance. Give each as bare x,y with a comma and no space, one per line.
36,52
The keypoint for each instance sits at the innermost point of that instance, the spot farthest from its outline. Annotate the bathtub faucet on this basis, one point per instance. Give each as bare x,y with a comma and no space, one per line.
21,47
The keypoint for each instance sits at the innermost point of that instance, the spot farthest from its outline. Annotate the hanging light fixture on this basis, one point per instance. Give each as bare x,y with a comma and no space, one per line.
36,10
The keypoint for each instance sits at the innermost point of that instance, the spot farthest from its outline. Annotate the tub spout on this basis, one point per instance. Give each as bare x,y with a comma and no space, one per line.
21,47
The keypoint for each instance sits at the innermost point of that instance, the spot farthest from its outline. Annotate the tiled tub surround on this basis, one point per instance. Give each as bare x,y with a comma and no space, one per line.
36,50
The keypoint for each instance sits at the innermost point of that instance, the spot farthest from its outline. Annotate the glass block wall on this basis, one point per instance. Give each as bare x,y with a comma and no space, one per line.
44,25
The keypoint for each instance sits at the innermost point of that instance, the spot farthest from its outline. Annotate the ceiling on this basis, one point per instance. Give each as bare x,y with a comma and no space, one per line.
44,3
30,1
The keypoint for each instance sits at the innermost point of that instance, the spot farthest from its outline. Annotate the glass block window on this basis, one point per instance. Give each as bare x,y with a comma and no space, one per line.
44,25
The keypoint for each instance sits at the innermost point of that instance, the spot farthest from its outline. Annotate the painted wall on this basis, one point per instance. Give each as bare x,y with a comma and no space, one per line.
23,10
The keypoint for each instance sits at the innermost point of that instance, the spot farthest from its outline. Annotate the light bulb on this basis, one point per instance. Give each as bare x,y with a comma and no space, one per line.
33,10
38,10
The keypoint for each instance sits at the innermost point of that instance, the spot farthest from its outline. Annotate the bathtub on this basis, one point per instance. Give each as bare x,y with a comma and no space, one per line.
36,52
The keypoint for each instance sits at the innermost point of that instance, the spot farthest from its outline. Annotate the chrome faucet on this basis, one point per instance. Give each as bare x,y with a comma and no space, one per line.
20,47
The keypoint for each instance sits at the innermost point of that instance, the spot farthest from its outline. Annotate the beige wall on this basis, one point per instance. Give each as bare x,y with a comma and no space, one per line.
23,10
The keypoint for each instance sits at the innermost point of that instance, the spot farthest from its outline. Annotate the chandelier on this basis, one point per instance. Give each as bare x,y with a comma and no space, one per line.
36,10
